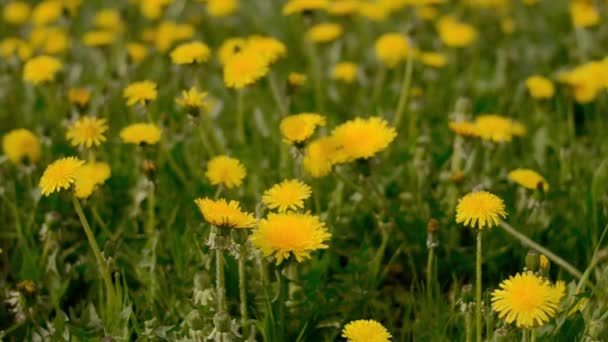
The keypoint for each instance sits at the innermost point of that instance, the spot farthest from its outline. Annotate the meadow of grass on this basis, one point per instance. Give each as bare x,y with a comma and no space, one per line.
135,259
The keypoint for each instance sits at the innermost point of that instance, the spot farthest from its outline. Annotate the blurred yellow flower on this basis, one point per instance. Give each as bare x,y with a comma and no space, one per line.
222,8
98,38
583,13
46,12
392,48
269,48
374,11
109,19
244,68
299,6
87,131
345,72
21,145
193,99
495,128
426,12
344,7
527,299
325,32
287,195
229,48
190,53
529,179
361,138
298,128
223,214
137,52
60,174
41,69
141,133
226,171
480,209
152,9
79,96
463,128
365,330
454,33
140,92
13,46
50,40
508,25
286,234
319,157
16,12
296,79
540,87
433,59
89,176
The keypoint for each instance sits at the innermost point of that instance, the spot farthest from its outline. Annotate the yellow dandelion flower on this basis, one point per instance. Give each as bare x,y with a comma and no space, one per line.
222,8
61,174
16,12
79,96
190,53
87,131
319,157
361,138
141,133
529,179
46,12
229,48
244,68
152,9
480,209
137,52
269,48
454,33
89,176
287,195
98,38
426,12
325,32
365,330
508,25
193,98
584,14
526,299
285,234
140,92
50,40
392,49
13,46
21,144
464,128
299,127
433,59
374,11
344,7
41,69
540,87
226,171
296,79
224,214
299,6
494,128
345,72
109,19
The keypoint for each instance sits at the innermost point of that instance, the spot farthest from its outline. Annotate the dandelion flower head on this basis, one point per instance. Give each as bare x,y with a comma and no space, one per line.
480,209
463,128
191,53
540,87
365,330
494,128
454,33
392,49
345,72
299,6
271,49
87,131
140,92
89,176
325,32
20,144
287,195
529,179
16,12
299,127
141,133
244,68
193,98
319,157
226,171
362,138
41,69
224,214
222,8
60,174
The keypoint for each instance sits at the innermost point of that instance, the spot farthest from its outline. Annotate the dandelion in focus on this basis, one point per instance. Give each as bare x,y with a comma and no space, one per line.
244,68
298,128
287,195
224,214
480,210
190,53
141,133
140,92
361,138
365,330
87,131
59,175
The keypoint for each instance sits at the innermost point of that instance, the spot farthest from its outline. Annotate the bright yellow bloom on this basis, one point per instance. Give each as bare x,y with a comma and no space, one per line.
426,12
244,68
433,59
169,33
140,133
480,209
584,13
285,234
299,6
193,98
527,299
344,7
325,32
61,174
495,128
296,79
464,128
269,48
223,214
374,11
190,53
87,131
109,19
46,12
298,128
140,92
529,179
14,46
454,33
137,52
79,96
152,9
98,38
587,80
365,330
229,48
345,72
287,195
21,144
16,12
361,138
226,171
392,48
89,176
41,69
222,8
540,87
319,157
50,40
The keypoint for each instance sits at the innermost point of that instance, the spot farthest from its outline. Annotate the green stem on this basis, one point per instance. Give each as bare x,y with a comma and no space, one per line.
378,84
531,244
151,203
403,97
207,123
468,321
243,290
103,269
429,271
205,140
240,120
316,75
478,262
220,286
532,335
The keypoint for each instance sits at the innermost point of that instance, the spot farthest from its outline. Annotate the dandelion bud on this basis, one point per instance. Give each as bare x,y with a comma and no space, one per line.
457,177
431,237
501,334
545,264
27,287
467,293
149,168
532,261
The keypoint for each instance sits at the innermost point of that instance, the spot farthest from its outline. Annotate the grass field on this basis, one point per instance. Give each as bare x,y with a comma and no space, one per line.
439,168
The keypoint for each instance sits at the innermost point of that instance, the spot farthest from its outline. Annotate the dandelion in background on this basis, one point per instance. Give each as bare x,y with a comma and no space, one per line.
344,7
87,131
46,12
296,79
98,38
229,48
325,32
222,8
392,49
16,12
433,59
361,138
21,145
15,47
79,97
271,49
223,214
287,195
529,179
298,128
59,175
365,330
137,52
244,68
41,69
225,171
140,92
584,14
89,176
141,133
190,53
496,128
345,72
299,6
454,33
540,87
319,157
285,234
463,128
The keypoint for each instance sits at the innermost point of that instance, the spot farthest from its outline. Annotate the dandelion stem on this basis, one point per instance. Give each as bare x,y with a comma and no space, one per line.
429,271
240,120
220,287
478,262
532,335
243,289
103,270
403,97
468,321
151,203
552,256
378,84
